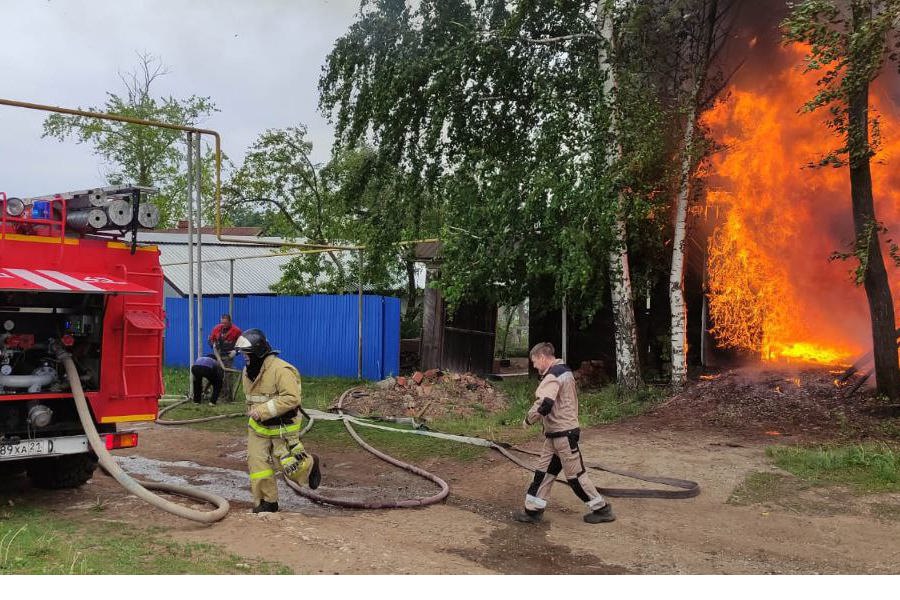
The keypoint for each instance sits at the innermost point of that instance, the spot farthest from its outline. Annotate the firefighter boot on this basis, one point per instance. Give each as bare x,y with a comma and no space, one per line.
529,516
265,506
315,473
601,515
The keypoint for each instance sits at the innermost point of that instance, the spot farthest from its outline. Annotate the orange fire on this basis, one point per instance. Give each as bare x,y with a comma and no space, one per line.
772,289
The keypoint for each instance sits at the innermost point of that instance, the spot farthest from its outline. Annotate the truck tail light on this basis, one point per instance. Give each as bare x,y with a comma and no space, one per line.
127,439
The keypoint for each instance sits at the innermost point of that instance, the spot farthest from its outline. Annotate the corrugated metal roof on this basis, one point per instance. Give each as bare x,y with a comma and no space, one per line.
253,274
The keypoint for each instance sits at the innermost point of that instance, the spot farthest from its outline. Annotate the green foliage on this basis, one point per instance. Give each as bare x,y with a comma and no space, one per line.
482,116
35,542
848,43
137,154
279,187
860,250
864,467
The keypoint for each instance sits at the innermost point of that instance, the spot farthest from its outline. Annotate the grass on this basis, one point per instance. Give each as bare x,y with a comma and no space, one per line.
36,542
864,468
596,407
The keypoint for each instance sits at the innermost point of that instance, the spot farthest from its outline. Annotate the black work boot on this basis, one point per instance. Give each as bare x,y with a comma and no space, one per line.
529,516
265,506
315,473
601,515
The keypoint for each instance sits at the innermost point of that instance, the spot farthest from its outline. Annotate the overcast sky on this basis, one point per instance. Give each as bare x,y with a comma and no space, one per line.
259,60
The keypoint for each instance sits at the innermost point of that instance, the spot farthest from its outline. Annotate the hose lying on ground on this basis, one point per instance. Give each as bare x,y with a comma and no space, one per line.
373,504
162,421
139,489
688,489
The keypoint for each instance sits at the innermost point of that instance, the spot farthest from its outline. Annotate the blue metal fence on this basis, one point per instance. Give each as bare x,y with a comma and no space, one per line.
317,334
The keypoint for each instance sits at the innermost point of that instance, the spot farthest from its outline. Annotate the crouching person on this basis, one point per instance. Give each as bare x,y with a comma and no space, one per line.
556,406
272,389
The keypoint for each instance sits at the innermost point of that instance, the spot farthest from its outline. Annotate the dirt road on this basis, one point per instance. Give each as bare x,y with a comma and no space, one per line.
820,532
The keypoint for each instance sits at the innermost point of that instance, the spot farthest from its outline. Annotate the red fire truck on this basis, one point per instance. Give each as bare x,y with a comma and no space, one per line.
72,273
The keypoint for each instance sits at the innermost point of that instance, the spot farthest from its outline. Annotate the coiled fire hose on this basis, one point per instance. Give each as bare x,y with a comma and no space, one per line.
348,503
141,489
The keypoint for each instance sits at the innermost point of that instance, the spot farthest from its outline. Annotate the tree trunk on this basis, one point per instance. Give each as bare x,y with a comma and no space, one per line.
875,280
510,312
676,275
628,372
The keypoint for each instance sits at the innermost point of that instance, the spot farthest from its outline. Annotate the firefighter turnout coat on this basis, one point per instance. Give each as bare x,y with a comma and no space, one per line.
273,441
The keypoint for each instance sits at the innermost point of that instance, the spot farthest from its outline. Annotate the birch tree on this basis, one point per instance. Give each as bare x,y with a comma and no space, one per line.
705,26
509,120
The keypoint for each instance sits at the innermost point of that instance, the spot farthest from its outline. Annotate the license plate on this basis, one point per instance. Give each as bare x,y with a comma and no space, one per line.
26,448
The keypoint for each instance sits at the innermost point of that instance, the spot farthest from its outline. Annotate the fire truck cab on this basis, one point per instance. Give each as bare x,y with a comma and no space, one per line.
73,274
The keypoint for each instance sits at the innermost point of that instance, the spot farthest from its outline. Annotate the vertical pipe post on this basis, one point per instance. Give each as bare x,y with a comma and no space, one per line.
565,332
198,166
231,288
190,224
359,357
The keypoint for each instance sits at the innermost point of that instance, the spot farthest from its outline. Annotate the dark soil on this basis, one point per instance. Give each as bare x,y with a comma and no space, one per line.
775,402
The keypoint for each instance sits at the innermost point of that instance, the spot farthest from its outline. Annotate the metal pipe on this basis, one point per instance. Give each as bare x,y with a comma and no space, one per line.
38,379
269,255
133,121
565,332
231,288
359,361
198,166
190,220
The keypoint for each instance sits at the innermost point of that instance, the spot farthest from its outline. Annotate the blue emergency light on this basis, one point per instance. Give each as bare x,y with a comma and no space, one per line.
40,210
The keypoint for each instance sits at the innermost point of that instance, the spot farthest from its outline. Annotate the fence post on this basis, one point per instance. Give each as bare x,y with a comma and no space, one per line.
190,215
359,358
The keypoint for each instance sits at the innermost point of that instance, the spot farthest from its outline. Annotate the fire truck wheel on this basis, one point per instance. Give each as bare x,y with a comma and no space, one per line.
62,472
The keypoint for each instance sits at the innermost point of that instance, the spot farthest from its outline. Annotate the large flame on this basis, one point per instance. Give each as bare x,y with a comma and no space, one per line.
772,288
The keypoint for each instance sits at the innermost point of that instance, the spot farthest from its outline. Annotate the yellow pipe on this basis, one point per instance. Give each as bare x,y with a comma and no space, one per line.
218,142
111,117
270,255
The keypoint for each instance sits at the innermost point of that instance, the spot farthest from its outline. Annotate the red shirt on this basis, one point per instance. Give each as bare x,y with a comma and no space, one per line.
229,338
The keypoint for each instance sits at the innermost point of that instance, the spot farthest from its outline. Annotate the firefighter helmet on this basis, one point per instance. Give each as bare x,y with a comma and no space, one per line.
253,342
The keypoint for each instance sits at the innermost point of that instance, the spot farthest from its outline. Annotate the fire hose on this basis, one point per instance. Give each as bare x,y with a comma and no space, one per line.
686,488
141,489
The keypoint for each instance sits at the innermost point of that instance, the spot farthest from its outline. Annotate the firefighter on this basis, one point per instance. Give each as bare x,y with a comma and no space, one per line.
222,339
556,406
272,389
207,367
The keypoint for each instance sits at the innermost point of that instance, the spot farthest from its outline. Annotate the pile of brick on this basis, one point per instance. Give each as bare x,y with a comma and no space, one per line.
428,396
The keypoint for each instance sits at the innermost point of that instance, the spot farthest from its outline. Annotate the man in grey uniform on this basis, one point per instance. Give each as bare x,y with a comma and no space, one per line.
556,406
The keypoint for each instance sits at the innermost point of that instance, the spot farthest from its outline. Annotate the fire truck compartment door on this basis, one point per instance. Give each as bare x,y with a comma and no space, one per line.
45,280
142,319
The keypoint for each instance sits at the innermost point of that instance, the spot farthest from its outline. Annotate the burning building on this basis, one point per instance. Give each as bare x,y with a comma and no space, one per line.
776,217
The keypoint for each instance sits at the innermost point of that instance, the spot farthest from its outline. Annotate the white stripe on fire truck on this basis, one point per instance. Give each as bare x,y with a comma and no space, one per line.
36,279
75,283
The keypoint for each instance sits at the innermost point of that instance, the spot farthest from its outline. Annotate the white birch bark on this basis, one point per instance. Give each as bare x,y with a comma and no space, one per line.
676,275
628,374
